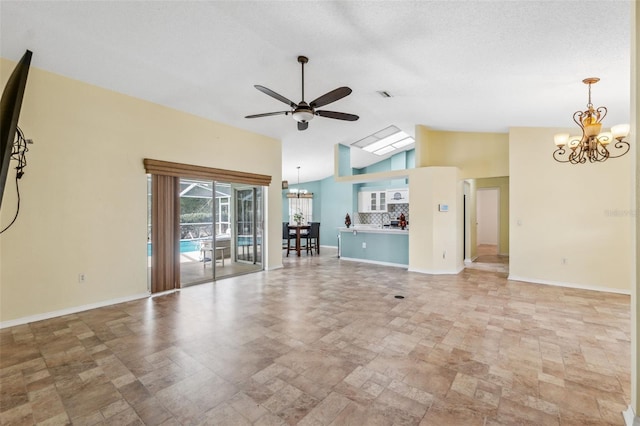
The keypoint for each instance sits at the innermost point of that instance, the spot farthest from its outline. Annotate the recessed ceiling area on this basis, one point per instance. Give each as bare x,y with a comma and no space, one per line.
389,140
450,65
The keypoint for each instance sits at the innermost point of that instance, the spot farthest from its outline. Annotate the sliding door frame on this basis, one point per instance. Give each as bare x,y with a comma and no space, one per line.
165,214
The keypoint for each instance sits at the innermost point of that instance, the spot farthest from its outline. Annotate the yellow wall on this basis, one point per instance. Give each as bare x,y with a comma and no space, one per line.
84,194
577,212
480,157
476,154
435,238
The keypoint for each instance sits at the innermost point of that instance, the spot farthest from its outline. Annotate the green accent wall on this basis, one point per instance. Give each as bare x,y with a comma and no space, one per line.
331,202
344,161
337,200
380,247
401,161
313,187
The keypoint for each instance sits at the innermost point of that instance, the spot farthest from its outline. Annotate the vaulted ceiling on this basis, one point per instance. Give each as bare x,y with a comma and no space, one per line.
448,65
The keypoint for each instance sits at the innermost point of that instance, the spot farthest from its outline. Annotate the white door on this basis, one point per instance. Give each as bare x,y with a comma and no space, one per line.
487,214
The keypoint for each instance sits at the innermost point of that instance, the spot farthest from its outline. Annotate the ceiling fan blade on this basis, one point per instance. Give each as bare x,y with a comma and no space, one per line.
332,96
275,95
267,114
337,115
302,125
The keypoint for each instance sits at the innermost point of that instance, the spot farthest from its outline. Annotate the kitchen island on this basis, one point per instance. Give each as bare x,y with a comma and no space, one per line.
384,246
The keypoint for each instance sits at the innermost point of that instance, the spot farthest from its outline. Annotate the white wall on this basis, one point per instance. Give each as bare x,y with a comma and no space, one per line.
580,213
635,131
84,193
487,215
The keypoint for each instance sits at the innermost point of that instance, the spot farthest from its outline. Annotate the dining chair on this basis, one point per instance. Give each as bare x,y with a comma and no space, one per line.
286,237
313,238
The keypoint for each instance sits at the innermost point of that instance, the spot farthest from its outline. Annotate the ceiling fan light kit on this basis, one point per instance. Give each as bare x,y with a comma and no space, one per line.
304,112
593,144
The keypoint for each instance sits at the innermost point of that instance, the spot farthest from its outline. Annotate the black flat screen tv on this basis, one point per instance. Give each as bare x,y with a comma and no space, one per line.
10,105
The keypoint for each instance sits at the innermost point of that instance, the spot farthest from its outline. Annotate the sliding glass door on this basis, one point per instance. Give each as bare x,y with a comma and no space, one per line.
220,230
197,250
201,229
249,225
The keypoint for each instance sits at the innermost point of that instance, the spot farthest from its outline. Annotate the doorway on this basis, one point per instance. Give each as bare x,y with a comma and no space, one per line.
466,222
488,221
248,226
220,230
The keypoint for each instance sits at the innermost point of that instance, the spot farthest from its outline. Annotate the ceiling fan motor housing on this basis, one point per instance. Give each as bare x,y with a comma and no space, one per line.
303,113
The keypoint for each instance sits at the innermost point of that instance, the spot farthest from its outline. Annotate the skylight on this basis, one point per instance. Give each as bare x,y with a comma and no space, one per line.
385,141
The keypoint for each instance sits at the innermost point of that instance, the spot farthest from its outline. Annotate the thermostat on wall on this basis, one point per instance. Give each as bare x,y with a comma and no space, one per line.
443,207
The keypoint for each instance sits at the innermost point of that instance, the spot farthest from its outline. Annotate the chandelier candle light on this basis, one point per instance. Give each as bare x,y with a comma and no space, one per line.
592,145
297,192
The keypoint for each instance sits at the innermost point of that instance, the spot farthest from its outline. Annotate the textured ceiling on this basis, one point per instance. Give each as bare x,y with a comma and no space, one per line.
450,65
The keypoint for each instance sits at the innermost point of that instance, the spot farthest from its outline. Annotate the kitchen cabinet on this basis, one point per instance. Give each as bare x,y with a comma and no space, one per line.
398,196
372,201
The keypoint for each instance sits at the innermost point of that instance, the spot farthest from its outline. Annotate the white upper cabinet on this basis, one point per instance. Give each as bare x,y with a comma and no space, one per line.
398,196
372,201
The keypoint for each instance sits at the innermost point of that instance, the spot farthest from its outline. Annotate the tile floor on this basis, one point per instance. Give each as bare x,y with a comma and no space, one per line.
488,259
192,271
325,342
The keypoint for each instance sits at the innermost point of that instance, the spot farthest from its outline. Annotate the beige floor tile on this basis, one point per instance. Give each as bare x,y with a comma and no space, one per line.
325,342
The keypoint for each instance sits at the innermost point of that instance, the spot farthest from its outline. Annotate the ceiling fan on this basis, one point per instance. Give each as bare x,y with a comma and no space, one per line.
303,112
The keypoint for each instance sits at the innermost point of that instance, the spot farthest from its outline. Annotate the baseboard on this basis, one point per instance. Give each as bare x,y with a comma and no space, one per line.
69,311
630,419
375,262
436,271
570,285
166,292
273,268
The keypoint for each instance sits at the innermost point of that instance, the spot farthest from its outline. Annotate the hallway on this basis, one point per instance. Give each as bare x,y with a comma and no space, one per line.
489,260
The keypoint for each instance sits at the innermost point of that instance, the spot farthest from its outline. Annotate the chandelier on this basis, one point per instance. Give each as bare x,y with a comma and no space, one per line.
593,145
297,192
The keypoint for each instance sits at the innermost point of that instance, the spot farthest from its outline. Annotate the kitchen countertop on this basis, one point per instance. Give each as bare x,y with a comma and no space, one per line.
372,229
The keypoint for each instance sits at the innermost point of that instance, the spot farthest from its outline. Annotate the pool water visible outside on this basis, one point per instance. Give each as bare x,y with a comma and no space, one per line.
185,246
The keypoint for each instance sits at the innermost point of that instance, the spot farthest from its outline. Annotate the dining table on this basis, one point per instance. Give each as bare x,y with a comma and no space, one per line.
298,229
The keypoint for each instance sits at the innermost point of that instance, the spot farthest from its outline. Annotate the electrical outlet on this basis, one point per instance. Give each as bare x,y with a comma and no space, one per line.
364,245
81,278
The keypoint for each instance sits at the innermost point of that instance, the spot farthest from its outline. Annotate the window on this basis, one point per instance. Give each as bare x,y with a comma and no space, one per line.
304,206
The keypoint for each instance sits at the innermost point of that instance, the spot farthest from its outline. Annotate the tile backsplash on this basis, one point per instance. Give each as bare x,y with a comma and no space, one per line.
393,213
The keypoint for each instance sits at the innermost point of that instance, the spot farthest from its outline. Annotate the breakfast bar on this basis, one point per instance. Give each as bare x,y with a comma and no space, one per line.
384,246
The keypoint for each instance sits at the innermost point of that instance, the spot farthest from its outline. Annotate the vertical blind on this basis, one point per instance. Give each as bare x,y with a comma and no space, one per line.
165,233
